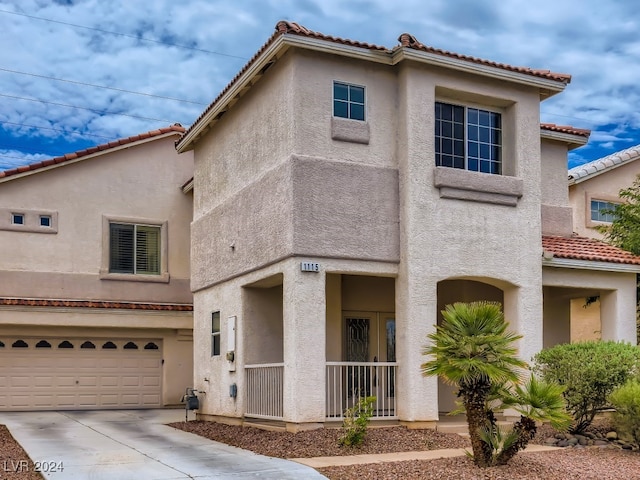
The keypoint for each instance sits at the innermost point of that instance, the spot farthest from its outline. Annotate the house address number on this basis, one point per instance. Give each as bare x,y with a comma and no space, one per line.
310,267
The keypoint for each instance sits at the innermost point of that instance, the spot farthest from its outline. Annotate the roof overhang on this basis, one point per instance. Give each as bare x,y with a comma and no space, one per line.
590,265
546,86
572,141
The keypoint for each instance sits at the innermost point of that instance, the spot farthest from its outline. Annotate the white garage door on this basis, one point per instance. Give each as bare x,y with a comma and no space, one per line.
79,373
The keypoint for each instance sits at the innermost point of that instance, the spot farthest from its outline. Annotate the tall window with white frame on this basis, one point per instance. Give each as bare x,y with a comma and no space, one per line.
215,334
468,138
348,101
134,249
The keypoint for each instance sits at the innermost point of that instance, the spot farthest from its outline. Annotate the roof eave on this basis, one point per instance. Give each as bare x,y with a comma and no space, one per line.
591,265
547,87
572,141
272,53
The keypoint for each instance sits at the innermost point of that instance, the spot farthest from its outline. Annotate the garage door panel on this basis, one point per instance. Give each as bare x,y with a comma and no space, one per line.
72,378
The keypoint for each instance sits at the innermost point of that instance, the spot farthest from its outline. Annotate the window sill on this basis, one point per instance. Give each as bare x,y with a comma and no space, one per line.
127,277
478,187
346,130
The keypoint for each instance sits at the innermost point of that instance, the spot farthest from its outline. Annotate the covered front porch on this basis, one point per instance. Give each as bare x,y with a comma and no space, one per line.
359,354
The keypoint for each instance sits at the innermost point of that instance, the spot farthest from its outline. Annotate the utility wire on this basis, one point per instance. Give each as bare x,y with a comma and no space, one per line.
75,82
60,130
101,112
128,35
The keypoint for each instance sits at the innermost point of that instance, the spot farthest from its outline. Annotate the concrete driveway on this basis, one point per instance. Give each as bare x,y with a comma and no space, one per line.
135,444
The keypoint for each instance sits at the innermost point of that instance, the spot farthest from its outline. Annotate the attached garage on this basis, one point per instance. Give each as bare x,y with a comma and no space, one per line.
80,373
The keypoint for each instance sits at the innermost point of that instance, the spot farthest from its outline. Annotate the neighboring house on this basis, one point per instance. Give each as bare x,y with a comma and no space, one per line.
95,305
344,193
594,189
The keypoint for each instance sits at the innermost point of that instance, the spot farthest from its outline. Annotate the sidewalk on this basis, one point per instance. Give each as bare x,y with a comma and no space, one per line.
322,462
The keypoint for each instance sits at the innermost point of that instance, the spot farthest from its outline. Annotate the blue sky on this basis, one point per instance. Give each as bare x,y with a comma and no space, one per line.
76,73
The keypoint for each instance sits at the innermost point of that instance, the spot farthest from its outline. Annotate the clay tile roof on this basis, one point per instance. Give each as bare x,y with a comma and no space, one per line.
408,40
293,28
595,167
36,302
583,248
88,151
582,132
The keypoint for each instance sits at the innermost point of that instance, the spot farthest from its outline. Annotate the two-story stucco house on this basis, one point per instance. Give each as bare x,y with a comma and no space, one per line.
594,189
344,193
95,304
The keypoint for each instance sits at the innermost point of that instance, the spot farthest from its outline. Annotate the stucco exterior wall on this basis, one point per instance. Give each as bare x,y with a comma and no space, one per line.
252,138
606,187
617,297
556,212
140,182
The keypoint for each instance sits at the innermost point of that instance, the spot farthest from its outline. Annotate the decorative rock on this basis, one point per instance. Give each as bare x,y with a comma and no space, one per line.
612,436
563,443
600,443
550,441
572,441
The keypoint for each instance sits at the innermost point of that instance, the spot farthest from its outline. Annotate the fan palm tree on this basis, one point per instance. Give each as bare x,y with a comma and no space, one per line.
473,350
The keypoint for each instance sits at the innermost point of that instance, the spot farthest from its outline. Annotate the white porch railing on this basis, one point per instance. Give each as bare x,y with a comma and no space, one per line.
265,390
349,381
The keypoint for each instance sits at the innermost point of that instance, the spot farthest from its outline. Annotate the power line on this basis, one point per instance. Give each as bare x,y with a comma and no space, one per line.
101,112
66,132
128,35
75,82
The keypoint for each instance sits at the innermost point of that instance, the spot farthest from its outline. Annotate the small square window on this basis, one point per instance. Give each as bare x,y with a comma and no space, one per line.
215,334
45,220
348,101
17,218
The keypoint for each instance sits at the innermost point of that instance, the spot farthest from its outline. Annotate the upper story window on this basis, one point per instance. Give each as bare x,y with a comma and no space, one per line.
468,138
45,221
601,211
134,249
348,101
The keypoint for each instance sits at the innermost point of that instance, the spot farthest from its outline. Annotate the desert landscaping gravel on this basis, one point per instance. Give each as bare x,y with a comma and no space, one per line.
14,462
584,463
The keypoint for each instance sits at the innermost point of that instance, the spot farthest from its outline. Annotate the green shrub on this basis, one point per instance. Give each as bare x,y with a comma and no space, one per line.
589,371
626,401
356,420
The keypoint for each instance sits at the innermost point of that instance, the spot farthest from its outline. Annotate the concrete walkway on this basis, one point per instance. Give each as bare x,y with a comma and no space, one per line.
321,462
135,445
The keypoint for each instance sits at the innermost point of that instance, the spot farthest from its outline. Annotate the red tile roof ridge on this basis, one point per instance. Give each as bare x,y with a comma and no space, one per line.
294,28
176,127
124,305
410,41
583,132
577,247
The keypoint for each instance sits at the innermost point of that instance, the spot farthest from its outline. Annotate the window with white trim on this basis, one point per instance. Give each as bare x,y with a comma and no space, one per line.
215,334
348,101
17,218
468,138
601,211
134,248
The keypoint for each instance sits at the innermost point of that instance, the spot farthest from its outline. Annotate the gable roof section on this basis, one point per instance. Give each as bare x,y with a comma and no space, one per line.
583,248
290,34
596,167
81,154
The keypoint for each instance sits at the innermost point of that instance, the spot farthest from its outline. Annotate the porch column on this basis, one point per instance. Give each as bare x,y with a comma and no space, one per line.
618,313
416,307
523,310
304,319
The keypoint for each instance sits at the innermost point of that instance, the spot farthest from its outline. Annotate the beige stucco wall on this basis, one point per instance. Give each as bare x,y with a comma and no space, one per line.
605,186
585,320
556,213
140,182
446,238
617,292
